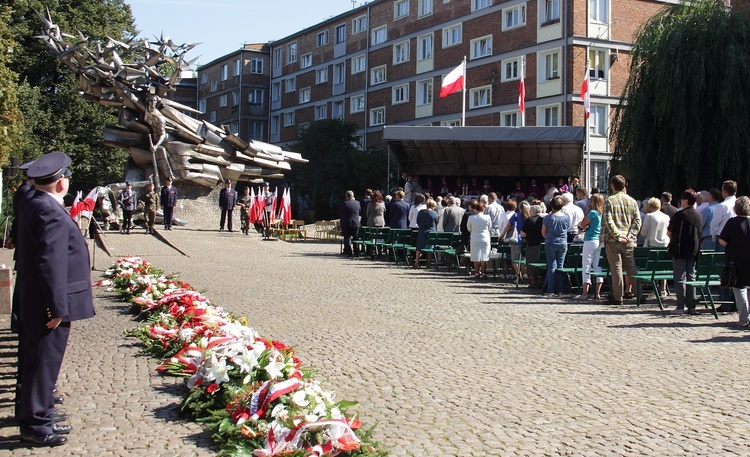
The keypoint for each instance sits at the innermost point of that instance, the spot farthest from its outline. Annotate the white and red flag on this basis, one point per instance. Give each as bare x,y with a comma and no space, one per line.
585,94
273,205
453,81
522,95
84,207
286,208
260,205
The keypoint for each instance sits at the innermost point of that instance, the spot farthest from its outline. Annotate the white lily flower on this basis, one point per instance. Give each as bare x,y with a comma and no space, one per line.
275,369
310,418
246,360
300,398
218,370
279,411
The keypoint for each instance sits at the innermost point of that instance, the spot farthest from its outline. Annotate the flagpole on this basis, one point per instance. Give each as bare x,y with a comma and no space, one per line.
523,74
463,111
588,133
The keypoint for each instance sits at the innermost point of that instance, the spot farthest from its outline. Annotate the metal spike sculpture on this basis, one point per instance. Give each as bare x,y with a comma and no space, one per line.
161,138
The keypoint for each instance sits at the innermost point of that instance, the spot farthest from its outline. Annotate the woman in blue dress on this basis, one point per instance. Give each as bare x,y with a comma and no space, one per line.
555,232
427,222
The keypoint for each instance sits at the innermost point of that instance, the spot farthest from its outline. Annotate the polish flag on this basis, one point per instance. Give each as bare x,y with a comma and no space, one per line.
586,95
260,205
251,210
286,207
522,95
86,207
453,81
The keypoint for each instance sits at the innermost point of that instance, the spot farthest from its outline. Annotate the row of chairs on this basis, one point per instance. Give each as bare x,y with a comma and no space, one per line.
294,230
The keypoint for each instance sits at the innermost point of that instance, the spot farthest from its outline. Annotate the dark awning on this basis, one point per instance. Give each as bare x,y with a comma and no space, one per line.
487,151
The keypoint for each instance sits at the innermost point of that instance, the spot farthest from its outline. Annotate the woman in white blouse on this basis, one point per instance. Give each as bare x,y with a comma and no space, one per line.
479,225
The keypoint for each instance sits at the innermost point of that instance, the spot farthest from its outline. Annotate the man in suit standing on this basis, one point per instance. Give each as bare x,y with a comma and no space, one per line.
54,282
350,223
399,211
127,200
168,201
227,200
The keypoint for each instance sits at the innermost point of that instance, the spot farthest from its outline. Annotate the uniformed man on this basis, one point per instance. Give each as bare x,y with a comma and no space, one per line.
127,201
227,201
268,197
150,201
168,201
54,283
245,202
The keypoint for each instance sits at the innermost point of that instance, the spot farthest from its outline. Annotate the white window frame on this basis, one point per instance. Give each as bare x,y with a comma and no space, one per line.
453,35
321,75
401,52
256,65
359,24
321,111
276,58
306,60
544,114
451,123
357,104
340,32
480,97
255,97
400,94
599,11
425,52
481,47
379,35
513,116
321,39
378,75
291,52
424,92
550,13
377,116
598,121
225,72
425,8
514,17
480,4
400,9
237,67
551,65
514,65
598,64
276,91
289,119
337,107
339,73
359,64
305,95
290,84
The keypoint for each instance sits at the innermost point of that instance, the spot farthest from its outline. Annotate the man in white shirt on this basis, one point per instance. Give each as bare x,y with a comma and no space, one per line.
495,212
574,213
724,211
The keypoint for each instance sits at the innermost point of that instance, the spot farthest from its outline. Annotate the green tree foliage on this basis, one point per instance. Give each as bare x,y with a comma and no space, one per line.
336,165
56,116
686,107
11,119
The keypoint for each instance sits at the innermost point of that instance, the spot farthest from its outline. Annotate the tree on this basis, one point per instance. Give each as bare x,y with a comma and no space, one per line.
336,165
684,113
11,119
57,118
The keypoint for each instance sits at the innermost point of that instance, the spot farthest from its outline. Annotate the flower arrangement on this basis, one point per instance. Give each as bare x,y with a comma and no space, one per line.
251,392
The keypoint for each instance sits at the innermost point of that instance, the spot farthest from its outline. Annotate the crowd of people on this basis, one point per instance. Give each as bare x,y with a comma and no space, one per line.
569,213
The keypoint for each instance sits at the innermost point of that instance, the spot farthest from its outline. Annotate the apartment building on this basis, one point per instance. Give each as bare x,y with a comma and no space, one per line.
233,91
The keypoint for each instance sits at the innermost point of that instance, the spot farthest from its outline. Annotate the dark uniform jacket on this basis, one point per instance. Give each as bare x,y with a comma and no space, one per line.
127,200
227,198
349,213
168,196
150,201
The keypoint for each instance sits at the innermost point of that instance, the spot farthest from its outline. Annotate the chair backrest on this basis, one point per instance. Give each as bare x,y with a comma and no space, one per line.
445,238
574,249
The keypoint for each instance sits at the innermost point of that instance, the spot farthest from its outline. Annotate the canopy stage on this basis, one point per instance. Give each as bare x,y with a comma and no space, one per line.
487,151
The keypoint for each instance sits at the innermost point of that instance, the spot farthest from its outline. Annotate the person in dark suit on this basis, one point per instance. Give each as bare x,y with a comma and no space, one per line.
399,211
363,206
24,192
54,282
350,223
227,201
127,200
168,201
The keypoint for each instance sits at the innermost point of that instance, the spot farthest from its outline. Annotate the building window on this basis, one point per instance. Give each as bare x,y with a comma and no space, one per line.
400,9
256,130
424,92
276,60
291,52
288,119
377,116
425,8
224,72
452,35
357,104
551,116
358,142
598,11
237,67
514,17
401,52
551,11
276,91
424,47
377,76
598,120
274,125
234,127
337,109
340,33
304,95
321,112
510,119
359,24
480,4
291,84
451,123
212,116
379,35
202,106
339,73
322,38
321,75
222,100
235,98
256,65
204,78
255,96
359,64
401,94
480,97
551,66
597,64
306,61
481,47
511,70
213,86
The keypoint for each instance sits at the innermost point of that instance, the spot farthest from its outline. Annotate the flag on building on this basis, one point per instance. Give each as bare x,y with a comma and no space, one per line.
585,94
522,95
453,81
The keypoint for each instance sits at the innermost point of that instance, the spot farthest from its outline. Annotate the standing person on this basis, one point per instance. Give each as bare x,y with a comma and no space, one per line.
707,215
574,213
376,210
54,282
150,201
471,209
666,204
363,206
24,192
684,245
655,225
554,230
416,207
350,222
268,200
592,246
621,222
245,202
452,215
427,223
168,200
127,201
496,213
517,220
479,226
227,201
722,214
532,234
735,237
399,211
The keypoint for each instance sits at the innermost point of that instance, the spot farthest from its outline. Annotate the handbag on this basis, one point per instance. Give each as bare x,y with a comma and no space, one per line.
729,275
511,236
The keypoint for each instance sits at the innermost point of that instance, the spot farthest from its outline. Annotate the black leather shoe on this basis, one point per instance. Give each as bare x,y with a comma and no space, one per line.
61,429
50,440
59,400
58,416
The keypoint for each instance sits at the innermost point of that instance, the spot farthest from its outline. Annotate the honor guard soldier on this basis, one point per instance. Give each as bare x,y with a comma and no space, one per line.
127,200
227,201
150,201
168,201
245,202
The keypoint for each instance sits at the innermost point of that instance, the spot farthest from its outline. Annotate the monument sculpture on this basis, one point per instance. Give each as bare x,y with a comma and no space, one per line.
163,139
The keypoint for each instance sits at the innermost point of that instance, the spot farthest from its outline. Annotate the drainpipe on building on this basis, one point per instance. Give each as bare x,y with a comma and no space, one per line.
239,108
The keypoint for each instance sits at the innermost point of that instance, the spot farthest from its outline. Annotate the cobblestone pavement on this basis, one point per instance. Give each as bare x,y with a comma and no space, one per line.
445,366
